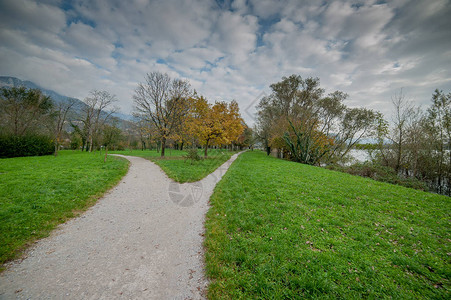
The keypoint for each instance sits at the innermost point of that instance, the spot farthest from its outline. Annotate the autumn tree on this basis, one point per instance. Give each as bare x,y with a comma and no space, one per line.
164,102
218,124
307,126
306,146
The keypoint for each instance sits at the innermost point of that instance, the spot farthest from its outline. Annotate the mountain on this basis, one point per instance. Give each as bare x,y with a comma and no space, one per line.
8,81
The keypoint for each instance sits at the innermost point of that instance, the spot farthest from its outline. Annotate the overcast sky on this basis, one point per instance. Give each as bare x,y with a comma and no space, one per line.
231,49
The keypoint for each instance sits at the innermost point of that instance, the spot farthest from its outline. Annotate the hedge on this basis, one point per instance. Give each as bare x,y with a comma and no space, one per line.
29,145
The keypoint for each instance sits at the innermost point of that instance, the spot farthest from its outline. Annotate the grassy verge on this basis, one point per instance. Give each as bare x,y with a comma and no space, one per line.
37,193
180,169
278,229
148,154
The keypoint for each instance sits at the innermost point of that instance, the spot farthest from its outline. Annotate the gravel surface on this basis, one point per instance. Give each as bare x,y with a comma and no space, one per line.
142,240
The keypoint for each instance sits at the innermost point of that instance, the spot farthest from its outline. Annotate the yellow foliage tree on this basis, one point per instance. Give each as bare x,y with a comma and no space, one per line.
217,124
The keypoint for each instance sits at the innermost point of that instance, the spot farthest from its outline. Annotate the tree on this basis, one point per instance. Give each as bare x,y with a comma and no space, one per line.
58,119
220,123
306,146
111,135
96,114
307,127
292,100
266,115
417,144
234,124
403,112
247,138
356,124
22,110
439,129
330,110
400,147
162,101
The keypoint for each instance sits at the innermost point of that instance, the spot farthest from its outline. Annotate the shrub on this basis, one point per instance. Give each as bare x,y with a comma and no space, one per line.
29,145
192,155
380,173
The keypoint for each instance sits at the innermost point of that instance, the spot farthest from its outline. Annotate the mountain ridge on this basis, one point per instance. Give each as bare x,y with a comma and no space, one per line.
10,81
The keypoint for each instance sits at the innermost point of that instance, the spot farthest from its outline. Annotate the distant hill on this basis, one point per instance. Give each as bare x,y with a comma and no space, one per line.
8,81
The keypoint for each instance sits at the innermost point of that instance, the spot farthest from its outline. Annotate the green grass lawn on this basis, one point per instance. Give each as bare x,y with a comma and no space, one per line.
180,169
37,193
169,153
282,230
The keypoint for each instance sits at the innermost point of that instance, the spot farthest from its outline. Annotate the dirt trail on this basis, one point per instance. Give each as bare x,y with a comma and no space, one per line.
142,240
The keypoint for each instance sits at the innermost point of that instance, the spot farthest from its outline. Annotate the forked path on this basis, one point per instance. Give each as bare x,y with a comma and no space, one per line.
142,240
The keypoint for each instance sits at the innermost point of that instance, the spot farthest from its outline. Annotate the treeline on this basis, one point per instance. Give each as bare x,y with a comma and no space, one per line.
168,113
417,144
26,117
168,110
303,124
300,122
33,124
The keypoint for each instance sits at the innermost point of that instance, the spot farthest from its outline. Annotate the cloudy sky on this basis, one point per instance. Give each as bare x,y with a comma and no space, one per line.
231,49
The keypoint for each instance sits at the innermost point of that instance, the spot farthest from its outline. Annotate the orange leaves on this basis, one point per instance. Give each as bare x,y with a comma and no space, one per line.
220,123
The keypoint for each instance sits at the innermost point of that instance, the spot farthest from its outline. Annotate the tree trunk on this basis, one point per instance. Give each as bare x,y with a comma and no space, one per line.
90,144
163,146
206,149
399,154
56,149
106,153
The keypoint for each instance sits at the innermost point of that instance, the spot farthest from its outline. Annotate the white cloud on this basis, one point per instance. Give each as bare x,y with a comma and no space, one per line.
232,51
36,15
235,35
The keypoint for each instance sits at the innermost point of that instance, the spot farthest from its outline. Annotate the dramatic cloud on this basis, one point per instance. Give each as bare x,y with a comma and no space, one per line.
231,49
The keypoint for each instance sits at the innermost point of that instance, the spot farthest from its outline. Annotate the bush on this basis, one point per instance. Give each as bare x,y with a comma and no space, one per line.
192,155
380,173
29,145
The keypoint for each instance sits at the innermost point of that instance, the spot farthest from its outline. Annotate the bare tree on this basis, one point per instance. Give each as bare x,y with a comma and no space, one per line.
439,129
403,112
330,110
162,101
415,140
356,124
111,135
58,117
22,109
97,112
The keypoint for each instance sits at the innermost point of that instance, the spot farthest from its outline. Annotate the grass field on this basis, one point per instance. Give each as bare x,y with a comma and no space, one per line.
282,230
180,169
37,193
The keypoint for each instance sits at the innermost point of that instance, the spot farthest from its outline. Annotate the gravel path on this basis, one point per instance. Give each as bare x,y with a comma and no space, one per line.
142,240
